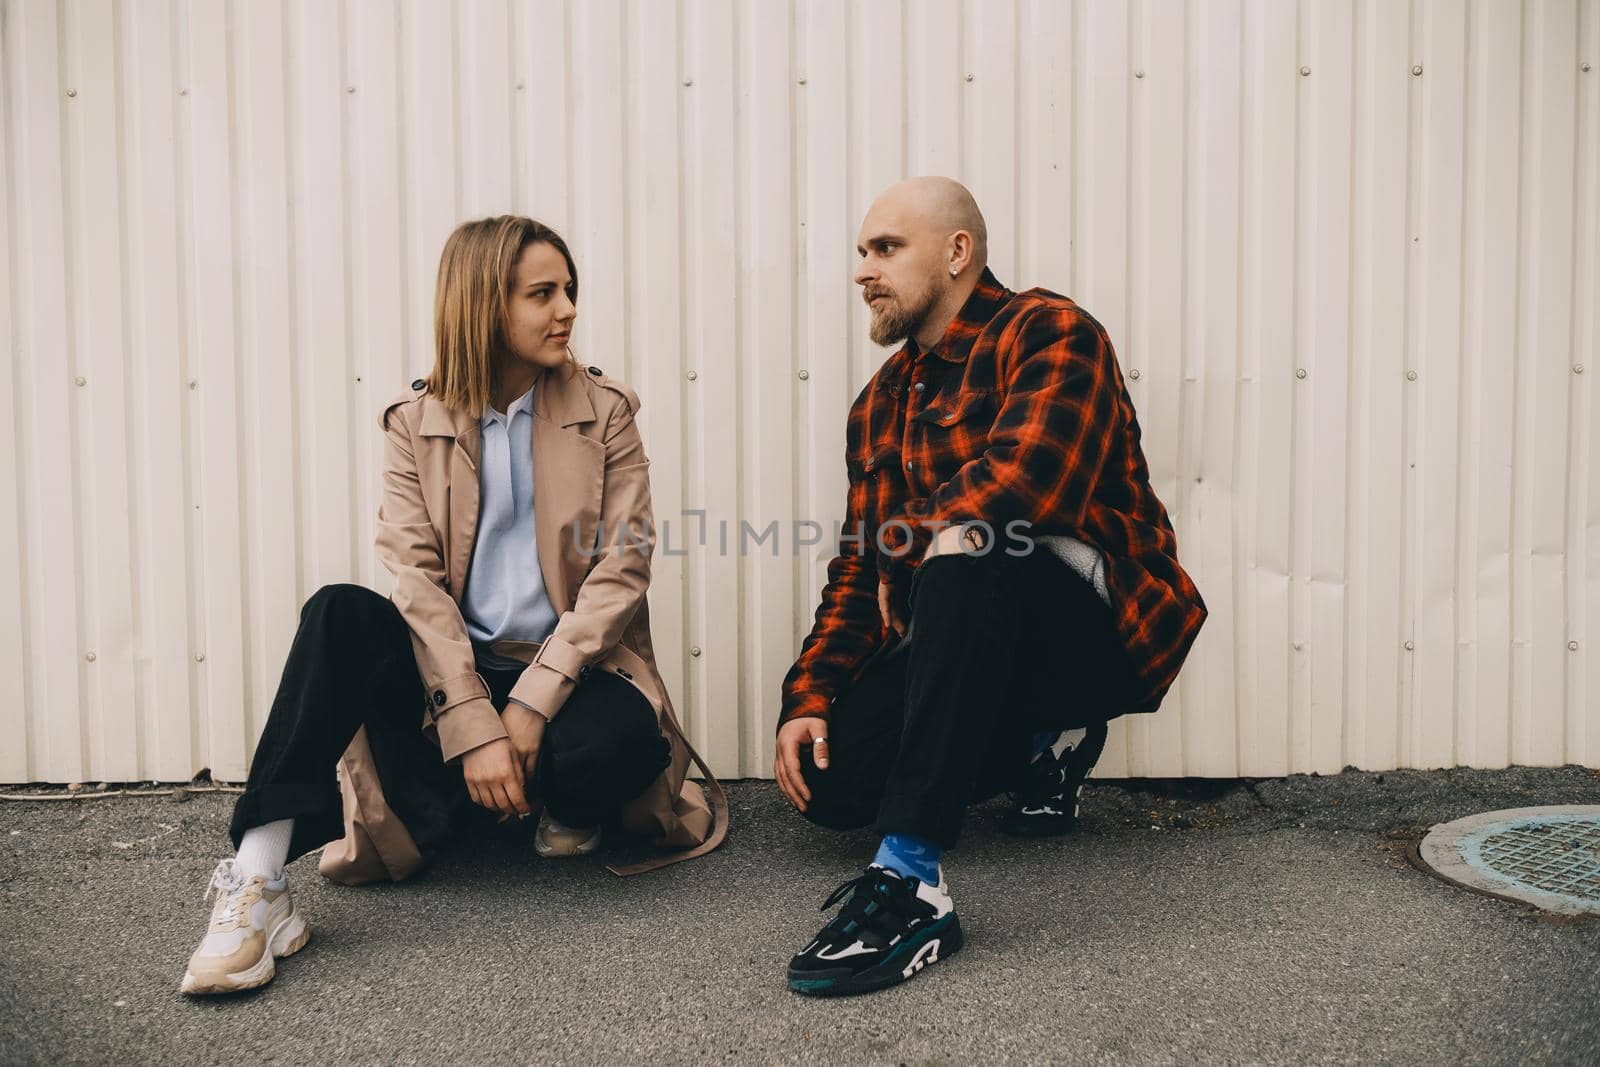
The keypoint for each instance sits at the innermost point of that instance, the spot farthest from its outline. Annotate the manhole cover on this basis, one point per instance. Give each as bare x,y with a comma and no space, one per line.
1547,857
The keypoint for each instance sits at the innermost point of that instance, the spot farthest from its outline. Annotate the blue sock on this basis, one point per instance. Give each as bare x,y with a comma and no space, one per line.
910,857
1042,742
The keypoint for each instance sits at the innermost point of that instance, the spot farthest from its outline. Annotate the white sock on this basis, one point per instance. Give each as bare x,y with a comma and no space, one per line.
265,849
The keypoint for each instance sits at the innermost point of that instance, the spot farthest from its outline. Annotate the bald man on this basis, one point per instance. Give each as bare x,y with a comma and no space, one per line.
1006,583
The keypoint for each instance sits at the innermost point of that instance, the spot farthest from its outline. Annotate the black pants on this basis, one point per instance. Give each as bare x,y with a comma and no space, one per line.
999,648
352,665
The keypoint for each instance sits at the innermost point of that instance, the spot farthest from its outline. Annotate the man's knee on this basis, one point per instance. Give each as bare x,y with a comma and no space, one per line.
834,804
951,581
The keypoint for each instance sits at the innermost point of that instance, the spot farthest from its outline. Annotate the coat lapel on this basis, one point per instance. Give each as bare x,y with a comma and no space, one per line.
464,458
568,479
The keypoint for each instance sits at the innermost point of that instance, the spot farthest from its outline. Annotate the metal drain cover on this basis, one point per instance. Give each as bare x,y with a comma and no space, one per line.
1547,857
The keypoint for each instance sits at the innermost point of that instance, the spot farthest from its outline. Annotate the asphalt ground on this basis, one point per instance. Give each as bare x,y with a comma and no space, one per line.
1187,922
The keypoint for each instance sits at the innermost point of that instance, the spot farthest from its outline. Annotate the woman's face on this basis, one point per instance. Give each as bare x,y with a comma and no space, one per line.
539,312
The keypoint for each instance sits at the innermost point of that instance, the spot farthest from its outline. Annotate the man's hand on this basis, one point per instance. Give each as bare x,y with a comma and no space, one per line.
891,619
525,731
806,730
494,777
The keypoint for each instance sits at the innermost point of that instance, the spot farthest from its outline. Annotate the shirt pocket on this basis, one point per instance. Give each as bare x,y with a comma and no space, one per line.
871,463
950,433
958,410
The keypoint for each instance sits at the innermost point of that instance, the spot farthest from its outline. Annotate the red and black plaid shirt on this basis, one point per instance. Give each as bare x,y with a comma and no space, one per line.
1018,413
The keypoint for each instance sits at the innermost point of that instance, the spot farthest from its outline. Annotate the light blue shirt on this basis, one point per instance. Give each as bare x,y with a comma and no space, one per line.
505,598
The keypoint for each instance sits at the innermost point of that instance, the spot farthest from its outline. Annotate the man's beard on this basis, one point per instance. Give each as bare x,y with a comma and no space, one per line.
896,321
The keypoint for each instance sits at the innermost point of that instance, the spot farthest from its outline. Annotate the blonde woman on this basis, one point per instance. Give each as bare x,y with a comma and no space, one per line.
511,670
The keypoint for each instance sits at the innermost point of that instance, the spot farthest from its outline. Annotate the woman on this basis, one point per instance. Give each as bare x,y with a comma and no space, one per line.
512,667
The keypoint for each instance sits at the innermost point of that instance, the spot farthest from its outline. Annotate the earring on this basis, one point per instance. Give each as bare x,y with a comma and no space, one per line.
953,272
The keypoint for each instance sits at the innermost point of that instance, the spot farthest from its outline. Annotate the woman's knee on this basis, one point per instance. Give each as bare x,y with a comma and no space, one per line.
345,600
596,765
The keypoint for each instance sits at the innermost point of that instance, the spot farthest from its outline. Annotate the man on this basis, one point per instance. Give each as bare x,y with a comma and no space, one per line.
1007,581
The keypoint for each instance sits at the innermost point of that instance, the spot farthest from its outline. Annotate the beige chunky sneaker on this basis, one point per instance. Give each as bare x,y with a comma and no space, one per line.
252,922
554,841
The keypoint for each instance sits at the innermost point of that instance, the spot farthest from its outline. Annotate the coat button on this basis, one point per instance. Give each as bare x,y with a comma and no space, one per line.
583,672
438,698
596,371
418,384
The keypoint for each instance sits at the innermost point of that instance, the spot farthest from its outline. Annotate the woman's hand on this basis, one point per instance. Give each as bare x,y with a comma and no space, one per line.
494,777
525,731
806,730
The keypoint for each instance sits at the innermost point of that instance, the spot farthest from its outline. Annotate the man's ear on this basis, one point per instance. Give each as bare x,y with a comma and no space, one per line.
960,251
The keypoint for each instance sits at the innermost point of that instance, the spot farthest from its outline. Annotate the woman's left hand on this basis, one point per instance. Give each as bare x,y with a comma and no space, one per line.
525,729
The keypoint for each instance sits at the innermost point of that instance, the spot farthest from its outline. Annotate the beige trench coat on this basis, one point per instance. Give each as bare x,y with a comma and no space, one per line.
590,473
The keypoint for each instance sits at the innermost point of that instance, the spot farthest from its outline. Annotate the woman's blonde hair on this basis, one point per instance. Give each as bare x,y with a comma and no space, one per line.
476,272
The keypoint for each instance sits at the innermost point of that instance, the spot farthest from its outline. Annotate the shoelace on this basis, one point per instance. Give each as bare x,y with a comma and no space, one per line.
866,911
229,881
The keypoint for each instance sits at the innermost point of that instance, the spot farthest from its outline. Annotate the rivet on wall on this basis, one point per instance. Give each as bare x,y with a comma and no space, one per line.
349,88
184,91
194,384
1416,71
693,375
1410,646
688,81
1301,373
90,656
72,92
199,657
1139,73
805,375
1299,646
969,77
694,651
1411,375
1586,68
1134,374
81,380
1577,368
802,79
1305,72
1572,646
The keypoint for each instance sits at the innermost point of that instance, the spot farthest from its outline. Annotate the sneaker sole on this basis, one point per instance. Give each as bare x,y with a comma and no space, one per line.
1018,822
290,937
904,964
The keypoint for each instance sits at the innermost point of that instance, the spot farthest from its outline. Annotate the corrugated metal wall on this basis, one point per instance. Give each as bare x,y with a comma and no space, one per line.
1348,252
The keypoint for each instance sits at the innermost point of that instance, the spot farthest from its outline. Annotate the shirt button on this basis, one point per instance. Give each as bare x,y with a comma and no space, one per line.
920,386
909,464
438,698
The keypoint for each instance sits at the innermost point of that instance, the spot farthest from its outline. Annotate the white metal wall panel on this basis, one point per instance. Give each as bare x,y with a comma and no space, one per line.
1348,252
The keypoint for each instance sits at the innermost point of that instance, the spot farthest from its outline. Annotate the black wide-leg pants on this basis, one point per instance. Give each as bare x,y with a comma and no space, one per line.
998,649
352,665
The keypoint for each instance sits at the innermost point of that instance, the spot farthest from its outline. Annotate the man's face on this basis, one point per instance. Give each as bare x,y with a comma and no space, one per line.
902,273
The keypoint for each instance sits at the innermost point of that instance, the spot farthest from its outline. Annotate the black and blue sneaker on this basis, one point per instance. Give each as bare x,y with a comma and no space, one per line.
889,929
1052,784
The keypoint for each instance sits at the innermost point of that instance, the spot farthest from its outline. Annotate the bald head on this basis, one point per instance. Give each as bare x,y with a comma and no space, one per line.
923,245
944,205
